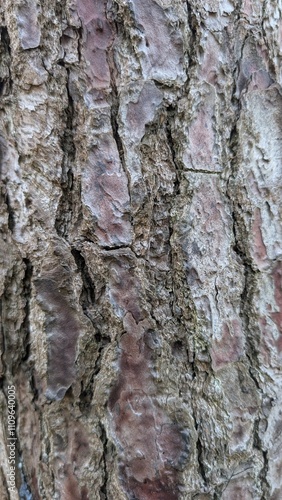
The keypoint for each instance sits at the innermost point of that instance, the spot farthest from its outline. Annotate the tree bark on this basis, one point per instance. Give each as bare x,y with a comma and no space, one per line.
141,249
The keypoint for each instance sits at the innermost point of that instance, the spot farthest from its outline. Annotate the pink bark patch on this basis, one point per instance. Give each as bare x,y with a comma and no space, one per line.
271,340
98,36
163,48
254,74
69,489
201,141
266,341
239,488
277,316
242,430
29,29
62,330
230,347
211,66
153,448
260,80
143,111
68,460
124,290
105,193
247,8
258,246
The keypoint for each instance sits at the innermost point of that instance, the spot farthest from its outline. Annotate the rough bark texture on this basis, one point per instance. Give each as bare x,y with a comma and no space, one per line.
141,248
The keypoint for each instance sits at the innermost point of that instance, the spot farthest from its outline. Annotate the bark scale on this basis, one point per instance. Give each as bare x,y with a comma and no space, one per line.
141,254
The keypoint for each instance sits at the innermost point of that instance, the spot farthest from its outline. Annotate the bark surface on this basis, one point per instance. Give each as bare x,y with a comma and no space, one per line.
141,248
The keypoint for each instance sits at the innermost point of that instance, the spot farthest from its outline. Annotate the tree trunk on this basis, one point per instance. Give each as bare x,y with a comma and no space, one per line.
141,250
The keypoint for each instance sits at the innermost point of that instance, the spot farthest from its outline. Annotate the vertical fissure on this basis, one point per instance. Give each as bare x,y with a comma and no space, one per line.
65,207
6,81
11,214
199,451
104,440
247,295
87,297
87,302
170,116
115,97
27,289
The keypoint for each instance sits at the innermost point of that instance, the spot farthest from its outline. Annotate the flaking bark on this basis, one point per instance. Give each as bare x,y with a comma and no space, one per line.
141,254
